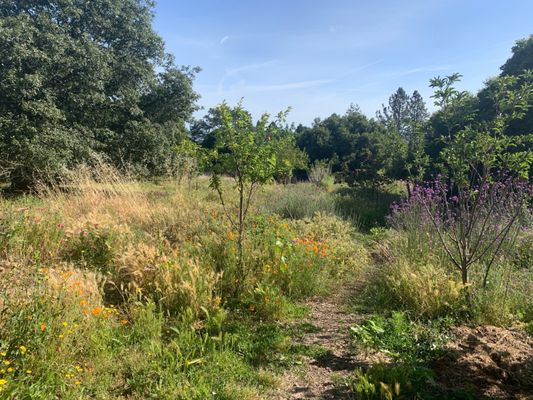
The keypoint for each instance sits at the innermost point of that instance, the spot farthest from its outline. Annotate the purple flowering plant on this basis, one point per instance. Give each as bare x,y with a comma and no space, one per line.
476,208
472,224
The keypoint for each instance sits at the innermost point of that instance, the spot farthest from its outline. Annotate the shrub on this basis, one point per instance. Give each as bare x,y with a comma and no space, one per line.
94,247
474,224
267,303
320,175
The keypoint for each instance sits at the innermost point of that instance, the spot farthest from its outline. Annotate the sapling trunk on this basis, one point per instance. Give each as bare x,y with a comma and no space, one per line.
464,280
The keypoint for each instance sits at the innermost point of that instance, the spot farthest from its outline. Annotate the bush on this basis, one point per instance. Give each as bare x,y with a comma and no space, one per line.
93,247
474,224
320,175
267,303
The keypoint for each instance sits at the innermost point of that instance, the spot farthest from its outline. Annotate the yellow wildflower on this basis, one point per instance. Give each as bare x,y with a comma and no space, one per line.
23,349
2,382
10,369
7,362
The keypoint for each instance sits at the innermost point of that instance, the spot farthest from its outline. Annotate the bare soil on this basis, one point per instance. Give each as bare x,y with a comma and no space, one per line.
490,361
318,378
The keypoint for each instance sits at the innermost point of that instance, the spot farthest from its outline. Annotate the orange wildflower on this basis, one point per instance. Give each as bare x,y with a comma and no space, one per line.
96,311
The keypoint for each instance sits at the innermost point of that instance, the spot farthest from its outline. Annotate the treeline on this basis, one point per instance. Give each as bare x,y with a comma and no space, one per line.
405,141
85,80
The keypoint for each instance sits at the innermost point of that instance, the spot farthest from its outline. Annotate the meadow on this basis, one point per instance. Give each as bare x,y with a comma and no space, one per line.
112,288
160,239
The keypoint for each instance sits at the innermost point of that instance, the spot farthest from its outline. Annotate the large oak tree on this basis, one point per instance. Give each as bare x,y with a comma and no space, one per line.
79,78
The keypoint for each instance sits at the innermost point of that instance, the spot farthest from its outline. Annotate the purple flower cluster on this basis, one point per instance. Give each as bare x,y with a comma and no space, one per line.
472,222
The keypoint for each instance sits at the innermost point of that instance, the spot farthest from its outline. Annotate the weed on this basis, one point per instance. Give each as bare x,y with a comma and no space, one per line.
401,339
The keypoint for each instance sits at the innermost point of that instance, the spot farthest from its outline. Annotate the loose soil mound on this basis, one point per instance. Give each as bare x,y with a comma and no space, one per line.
490,361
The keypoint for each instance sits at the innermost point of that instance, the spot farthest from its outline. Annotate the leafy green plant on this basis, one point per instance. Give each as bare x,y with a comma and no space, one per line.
401,339
94,247
385,382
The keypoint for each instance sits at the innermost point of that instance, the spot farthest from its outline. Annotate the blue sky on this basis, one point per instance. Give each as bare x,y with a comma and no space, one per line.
320,56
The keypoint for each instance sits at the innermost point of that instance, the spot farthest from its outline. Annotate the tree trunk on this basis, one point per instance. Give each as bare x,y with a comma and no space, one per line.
464,279
240,258
408,187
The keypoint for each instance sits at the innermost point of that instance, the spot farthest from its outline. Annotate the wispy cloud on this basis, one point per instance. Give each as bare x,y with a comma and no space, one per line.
235,71
288,86
224,39
418,70
362,67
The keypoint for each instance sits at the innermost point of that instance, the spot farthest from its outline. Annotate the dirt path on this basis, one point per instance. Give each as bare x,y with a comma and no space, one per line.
316,378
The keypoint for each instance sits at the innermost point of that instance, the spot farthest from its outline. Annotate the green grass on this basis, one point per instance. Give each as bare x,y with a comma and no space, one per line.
145,274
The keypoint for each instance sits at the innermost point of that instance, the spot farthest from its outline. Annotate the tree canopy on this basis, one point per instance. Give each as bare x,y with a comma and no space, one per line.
80,78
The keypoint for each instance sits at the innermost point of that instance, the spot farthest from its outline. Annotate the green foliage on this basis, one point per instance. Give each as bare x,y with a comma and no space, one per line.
403,340
248,153
407,116
521,59
358,148
191,159
244,150
79,78
93,248
487,148
522,256
289,158
383,382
